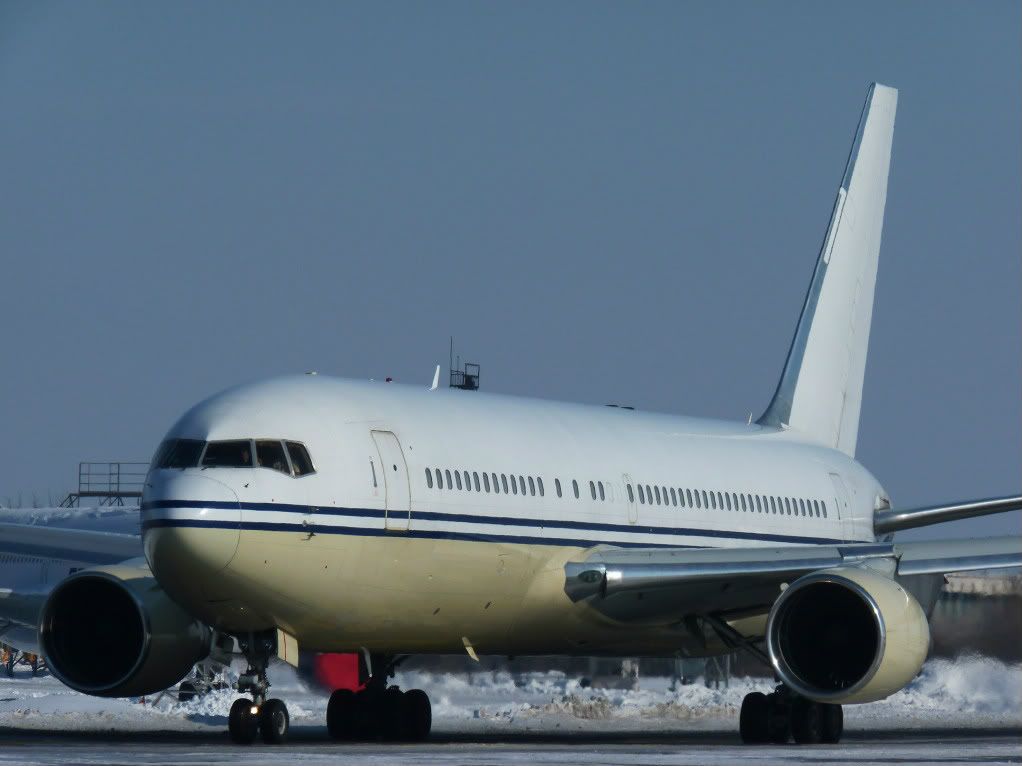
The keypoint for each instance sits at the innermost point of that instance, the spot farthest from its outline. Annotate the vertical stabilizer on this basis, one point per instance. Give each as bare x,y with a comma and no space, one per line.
820,392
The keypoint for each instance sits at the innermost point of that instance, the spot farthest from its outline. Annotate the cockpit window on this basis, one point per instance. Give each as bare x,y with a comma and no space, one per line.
178,453
300,459
232,454
270,454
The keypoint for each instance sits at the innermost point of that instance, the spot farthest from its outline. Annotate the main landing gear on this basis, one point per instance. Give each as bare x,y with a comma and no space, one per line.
258,716
783,715
379,711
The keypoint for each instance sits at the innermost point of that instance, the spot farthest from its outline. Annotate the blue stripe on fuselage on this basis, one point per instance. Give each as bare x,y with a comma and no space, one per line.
458,518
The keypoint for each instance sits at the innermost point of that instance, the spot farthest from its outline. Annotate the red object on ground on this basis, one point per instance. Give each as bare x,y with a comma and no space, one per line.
338,671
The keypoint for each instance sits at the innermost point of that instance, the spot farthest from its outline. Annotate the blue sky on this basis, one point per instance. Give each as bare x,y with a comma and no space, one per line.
603,202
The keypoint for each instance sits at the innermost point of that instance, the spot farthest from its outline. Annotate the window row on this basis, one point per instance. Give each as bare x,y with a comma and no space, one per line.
731,501
508,484
291,458
646,494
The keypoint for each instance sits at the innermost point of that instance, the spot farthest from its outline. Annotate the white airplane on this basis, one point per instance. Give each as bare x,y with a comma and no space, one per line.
344,516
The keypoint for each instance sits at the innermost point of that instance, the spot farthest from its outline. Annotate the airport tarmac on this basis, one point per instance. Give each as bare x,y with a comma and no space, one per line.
963,711
310,746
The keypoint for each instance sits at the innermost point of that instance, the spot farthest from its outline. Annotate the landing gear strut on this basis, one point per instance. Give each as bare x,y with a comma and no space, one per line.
379,711
783,715
257,716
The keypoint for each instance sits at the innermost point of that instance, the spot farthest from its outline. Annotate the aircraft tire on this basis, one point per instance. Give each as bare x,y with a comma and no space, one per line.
754,721
274,722
242,723
833,724
391,715
418,715
806,721
340,715
778,719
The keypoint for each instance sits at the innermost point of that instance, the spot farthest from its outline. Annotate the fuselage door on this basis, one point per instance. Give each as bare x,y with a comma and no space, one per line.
633,509
398,501
843,509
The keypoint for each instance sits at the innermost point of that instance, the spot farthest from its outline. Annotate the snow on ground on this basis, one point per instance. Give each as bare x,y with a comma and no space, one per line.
970,692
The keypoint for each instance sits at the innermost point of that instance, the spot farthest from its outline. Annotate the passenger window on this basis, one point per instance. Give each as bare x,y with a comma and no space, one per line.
631,495
642,495
727,499
429,478
557,486
468,480
532,487
688,496
592,490
574,486
439,479
759,505
802,506
742,498
503,480
450,481
674,497
496,484
521,483
824,503
300,460
599,485
486,481
232,454
539,482
457,478
514,485
475,481
270,454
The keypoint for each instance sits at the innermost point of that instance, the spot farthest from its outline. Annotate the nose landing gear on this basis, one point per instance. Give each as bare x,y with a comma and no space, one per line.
257,716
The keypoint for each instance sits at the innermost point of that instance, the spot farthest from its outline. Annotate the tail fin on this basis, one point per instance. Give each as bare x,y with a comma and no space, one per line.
820,391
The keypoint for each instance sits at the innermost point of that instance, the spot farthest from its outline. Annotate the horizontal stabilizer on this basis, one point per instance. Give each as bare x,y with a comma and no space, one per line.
885,522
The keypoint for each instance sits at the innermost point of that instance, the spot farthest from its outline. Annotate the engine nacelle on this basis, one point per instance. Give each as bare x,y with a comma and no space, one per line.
847,635
113,632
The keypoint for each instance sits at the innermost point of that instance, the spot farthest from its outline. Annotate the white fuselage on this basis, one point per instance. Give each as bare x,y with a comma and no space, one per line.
467,494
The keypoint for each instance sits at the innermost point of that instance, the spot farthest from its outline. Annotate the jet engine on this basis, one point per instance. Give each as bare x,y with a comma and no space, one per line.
847,635
114,632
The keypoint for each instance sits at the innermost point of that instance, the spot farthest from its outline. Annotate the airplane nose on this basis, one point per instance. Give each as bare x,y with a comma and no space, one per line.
190,529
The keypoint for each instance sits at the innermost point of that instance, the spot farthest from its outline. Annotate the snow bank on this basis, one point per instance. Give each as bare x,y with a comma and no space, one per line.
968,692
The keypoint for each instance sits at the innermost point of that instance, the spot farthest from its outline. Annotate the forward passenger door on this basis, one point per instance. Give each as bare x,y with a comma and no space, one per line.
397,492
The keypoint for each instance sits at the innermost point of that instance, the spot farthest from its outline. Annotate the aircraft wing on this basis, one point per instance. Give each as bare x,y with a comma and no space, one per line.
36,558
638,583
78,545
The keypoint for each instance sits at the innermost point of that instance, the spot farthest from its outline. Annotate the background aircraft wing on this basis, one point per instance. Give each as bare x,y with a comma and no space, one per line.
41,557
78,545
